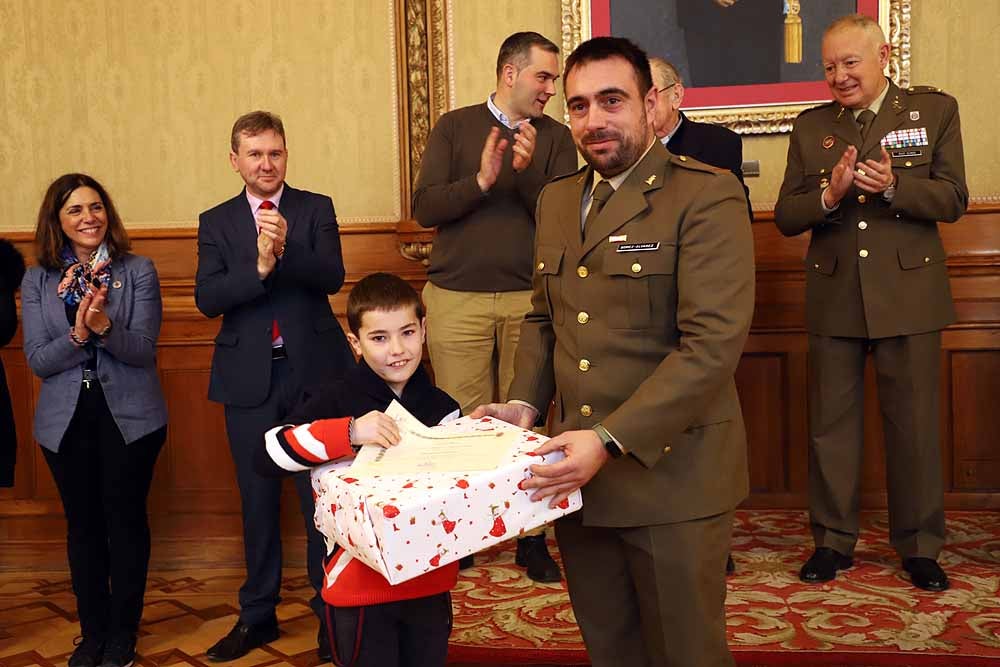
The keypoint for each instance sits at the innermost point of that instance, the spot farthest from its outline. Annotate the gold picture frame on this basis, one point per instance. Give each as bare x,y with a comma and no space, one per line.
894,15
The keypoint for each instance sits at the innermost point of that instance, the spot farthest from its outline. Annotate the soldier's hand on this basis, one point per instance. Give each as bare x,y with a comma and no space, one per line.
585,454
875,177
491,160
841,178
512,413
524,145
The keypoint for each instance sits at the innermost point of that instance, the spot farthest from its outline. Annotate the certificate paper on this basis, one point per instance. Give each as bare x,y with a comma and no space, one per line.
435,449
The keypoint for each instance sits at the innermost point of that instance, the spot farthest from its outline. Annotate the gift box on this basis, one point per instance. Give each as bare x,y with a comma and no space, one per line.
406,525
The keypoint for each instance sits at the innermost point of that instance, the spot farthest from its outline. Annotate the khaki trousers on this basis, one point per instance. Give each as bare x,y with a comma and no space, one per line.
472,338
649,596
908,370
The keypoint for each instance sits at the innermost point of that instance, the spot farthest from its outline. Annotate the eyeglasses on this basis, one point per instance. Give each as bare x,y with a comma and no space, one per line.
660,90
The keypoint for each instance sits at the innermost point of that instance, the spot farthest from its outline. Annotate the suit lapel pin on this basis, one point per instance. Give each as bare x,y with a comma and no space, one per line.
117,284
828,141
914,115
651,179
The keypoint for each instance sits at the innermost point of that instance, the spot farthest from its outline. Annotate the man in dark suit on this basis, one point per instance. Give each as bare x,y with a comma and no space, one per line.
642,301
870,175
712,144
267,259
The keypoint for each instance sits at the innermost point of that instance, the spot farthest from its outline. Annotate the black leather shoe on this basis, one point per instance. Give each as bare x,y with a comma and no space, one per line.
533,554
823,565
925,573
88,652
730,565
323,644
242,639
466,562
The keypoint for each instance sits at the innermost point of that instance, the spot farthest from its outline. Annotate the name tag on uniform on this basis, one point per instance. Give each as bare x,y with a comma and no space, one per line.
906,153
637,247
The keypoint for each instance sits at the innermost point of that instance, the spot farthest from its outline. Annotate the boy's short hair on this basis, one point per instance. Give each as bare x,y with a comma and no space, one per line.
380,291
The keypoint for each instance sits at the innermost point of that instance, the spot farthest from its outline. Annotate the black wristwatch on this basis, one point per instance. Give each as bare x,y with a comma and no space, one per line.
614,450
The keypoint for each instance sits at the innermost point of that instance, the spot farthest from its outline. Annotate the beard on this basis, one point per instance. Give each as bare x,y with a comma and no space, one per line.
613,161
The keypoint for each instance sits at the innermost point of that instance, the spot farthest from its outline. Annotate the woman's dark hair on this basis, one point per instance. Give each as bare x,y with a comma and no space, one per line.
49,237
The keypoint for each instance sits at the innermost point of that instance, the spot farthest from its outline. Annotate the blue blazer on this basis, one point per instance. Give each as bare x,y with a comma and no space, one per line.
295,294
126,359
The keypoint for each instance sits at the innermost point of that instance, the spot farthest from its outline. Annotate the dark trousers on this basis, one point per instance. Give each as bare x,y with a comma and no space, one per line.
908,370
649,596
408,633
103,484
261,499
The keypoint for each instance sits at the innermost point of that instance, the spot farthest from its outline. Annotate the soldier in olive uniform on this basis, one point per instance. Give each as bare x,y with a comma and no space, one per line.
643,296
870,175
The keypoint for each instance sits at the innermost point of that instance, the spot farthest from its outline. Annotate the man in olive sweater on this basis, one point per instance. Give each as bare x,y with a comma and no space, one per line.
479,180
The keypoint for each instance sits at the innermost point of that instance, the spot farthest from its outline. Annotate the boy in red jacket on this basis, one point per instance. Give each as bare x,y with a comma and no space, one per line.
372,623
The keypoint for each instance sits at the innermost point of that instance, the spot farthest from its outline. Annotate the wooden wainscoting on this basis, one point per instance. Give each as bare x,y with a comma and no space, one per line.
194,505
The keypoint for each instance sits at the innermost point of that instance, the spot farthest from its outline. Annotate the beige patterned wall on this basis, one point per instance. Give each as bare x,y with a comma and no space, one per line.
142,95
954,47
476,30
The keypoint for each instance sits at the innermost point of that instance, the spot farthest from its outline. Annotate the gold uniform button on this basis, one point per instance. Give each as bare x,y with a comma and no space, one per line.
584,365
541,266
586,410
637,267
666,450
822,171
582,317
683,158
582,271
862,199
863,253
926,259
815,266
908,163
862,225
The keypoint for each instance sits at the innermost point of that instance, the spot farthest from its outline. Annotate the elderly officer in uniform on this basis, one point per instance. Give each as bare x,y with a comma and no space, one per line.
643,295
870,175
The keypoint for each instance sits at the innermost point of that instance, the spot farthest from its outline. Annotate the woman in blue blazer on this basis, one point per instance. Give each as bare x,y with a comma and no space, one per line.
91,315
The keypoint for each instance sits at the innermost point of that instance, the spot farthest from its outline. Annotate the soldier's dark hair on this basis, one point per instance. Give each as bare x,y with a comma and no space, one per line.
603,48
380,291
516,49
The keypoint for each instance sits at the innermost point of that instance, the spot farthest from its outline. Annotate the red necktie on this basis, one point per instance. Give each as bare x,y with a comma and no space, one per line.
267,205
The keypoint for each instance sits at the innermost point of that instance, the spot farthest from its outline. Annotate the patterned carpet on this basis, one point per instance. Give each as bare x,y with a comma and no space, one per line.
870,616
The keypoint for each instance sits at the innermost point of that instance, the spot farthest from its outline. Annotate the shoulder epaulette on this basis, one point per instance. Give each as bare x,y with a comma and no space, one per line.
826,105
688,162
919,90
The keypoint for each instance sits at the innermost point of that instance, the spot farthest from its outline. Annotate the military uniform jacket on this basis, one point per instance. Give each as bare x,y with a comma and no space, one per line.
638,324
875,268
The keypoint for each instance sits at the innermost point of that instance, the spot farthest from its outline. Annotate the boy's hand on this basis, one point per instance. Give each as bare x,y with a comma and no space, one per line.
375,428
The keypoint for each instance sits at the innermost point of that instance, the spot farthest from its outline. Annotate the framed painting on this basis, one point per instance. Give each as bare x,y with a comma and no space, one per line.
751,65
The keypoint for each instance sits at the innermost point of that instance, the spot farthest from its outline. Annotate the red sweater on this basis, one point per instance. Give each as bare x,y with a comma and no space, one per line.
349,582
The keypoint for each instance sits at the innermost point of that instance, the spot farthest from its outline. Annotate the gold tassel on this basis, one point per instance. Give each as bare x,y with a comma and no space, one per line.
793,33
